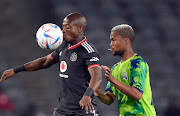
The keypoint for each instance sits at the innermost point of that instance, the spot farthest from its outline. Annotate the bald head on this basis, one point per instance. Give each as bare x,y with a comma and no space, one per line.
76,18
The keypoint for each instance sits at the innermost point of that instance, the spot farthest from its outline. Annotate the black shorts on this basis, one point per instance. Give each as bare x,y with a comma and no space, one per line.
61,114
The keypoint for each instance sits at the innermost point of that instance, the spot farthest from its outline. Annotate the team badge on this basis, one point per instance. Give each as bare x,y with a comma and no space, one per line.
73,57
95,59
63,66
124,75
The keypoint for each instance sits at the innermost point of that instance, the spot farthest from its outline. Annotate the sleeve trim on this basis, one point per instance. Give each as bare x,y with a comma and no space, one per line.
108,89
139,90
94,65
52,56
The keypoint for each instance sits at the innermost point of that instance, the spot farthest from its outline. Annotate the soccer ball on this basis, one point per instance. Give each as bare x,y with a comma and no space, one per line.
49,36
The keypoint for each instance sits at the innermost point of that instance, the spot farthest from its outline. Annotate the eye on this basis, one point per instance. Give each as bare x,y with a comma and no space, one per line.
65,27
112,39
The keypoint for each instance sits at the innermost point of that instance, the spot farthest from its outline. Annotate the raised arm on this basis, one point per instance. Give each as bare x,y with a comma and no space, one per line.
128,90
40,63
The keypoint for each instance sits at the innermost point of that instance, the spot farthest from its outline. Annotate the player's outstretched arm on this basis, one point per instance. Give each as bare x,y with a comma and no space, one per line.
40,63
37,64
107,98
96,78
128,90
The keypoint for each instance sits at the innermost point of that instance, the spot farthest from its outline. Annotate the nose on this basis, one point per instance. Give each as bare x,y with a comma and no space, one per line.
63,30
111,44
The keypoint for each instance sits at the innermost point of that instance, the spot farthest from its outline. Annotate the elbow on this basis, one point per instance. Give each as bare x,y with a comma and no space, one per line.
136,94
138,97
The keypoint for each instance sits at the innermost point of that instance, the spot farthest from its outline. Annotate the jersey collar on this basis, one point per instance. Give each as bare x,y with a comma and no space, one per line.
78,44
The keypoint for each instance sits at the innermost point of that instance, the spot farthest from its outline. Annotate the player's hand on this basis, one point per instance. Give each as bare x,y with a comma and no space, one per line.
98,91
108,73
7,74
85,102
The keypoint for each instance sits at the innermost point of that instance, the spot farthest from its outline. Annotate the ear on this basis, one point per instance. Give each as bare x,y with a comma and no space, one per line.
80,29
127,40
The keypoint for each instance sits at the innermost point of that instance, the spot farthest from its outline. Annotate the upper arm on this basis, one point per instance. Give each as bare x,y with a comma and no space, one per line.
96,77
95,71
92,64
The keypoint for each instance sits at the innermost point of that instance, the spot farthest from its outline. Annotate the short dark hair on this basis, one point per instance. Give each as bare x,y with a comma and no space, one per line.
125,31
78,18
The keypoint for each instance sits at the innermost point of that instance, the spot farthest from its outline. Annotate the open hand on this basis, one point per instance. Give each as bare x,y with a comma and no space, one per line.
85,102
7,74
108,73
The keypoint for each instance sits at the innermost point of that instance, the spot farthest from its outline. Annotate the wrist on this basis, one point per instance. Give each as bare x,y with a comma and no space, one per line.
112,79
89,92
19,69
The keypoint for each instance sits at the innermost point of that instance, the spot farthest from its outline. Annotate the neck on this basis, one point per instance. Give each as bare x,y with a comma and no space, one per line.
127,55
77,40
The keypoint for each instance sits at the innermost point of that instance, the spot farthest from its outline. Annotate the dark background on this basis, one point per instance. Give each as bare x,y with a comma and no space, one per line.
156,24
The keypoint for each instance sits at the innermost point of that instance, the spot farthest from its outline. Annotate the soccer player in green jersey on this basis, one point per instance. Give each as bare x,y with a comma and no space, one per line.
129,78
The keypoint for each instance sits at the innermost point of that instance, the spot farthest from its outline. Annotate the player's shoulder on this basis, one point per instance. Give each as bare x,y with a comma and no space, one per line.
88,47
137,61
63,45
114,66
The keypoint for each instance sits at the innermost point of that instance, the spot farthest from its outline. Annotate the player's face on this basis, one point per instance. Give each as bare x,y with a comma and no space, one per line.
118,44
70,30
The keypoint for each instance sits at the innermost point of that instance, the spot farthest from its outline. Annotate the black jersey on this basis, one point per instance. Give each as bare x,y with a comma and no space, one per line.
74,62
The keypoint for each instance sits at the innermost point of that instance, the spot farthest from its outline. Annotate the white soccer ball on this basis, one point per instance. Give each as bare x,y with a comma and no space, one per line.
49,36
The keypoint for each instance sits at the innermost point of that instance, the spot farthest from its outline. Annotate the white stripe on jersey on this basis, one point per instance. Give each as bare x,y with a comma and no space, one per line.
87,47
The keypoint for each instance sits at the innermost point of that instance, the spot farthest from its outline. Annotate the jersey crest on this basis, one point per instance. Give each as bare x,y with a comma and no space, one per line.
124,75
73,57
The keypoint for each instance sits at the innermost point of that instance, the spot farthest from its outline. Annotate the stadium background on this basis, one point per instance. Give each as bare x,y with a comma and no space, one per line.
156,23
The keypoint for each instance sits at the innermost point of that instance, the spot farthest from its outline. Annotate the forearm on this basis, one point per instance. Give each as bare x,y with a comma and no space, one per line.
95,82
105,98
128,90
34,65
38,64
96,78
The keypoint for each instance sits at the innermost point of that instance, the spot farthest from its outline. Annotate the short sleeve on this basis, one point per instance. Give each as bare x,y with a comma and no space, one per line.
92,59
55,53
138,75
110,87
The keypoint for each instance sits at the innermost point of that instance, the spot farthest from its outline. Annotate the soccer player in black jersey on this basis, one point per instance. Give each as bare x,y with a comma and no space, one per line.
80,72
